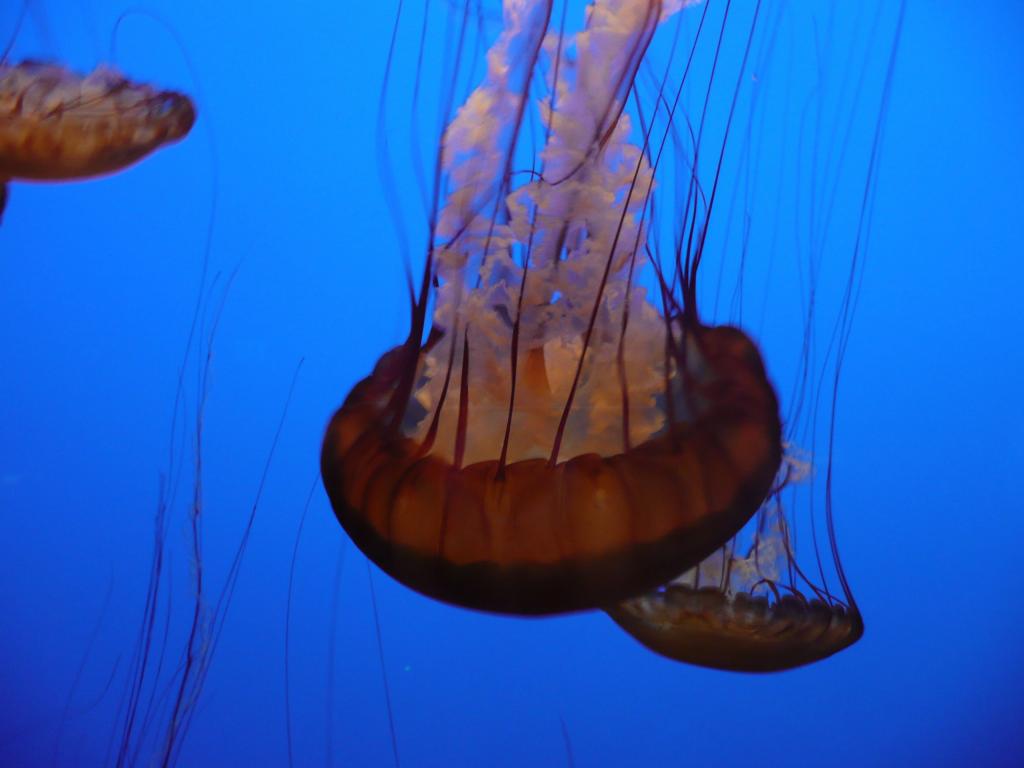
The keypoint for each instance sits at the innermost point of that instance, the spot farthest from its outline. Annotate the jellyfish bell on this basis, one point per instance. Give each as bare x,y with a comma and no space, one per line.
745,613
739,632
59,125
532,536
557,441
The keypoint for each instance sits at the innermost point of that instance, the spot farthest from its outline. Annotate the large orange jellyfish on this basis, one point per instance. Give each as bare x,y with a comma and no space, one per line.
552,440
58,125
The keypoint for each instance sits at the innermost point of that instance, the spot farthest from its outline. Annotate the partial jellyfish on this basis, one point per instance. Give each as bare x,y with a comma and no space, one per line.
752,612
758,604
58,125
555,434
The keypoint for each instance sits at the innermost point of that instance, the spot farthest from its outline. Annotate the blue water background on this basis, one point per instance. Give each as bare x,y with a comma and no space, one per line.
98,284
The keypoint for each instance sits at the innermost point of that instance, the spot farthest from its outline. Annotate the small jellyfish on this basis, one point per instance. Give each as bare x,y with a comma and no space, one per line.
554,435
58,125
752,612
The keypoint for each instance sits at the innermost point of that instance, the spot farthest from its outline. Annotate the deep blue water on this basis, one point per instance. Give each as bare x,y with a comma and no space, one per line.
98,285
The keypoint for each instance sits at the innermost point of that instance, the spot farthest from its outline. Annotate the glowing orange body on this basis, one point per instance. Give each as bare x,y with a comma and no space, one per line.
549,538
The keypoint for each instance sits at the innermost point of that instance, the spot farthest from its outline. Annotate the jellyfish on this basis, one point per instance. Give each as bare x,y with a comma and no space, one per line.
746,612
58,125
756,604
554,434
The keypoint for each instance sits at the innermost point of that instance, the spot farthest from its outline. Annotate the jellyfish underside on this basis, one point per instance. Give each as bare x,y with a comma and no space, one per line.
739,613
534,537
738,632
58,125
